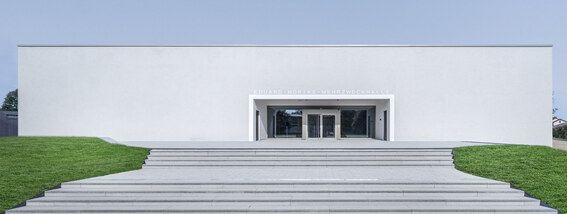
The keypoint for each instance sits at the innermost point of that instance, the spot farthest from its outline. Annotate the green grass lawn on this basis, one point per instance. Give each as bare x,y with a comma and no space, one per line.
537,170
31,165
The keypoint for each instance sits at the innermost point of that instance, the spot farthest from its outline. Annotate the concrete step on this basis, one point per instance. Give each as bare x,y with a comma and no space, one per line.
447,155
305,153
298,200
304,149
423,165
299,162
261,185
303,158
435,193
282,208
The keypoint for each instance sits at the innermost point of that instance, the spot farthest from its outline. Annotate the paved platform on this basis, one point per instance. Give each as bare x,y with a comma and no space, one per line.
560,144
294,143
390,174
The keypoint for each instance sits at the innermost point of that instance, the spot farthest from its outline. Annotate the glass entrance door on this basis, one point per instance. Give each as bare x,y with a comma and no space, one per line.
328,126
321,125
314,125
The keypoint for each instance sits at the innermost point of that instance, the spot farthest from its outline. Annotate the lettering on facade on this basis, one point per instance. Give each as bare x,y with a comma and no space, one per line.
329,91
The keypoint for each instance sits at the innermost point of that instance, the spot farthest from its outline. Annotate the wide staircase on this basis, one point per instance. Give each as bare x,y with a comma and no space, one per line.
252,193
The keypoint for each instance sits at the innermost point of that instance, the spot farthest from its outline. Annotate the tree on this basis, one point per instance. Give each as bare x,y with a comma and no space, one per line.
11,101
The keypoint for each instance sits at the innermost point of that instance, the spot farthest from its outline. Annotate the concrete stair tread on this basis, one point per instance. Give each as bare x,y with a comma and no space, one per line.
386,155
284,188
304,158
298,182
306,153
391,185
280,208
303,149
301,163
279,164
298,189
415,153
296,160
260,195
299,160
296,197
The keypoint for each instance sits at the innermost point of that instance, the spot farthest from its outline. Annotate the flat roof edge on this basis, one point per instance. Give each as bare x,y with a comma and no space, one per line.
256,45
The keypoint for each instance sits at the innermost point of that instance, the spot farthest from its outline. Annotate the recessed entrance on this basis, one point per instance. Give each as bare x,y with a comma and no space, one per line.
317,122
322,116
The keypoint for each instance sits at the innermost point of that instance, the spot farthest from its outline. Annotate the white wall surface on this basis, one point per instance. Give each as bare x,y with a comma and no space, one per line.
494,94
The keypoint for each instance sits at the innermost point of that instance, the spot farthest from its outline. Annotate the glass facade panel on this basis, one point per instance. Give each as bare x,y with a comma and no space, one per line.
354,123
288,123
313,125
328,125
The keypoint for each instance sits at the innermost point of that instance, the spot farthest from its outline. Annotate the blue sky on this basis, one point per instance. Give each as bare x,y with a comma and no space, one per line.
138,22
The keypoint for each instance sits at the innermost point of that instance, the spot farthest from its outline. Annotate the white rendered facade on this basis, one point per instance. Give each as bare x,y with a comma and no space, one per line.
227,93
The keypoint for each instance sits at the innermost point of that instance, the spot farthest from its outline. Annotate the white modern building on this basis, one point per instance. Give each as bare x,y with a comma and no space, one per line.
557,122
248,92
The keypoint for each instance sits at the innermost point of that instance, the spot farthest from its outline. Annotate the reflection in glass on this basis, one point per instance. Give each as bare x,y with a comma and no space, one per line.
328,125
354,123
313,125
288,123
